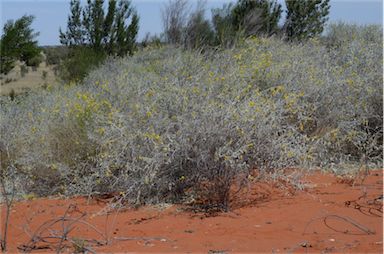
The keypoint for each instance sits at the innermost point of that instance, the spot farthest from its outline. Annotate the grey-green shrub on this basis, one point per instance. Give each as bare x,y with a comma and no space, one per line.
179,126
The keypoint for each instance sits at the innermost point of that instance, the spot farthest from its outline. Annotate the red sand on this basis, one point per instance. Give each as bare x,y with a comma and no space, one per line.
318,219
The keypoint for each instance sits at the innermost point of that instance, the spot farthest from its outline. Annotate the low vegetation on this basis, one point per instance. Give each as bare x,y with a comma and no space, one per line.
172,125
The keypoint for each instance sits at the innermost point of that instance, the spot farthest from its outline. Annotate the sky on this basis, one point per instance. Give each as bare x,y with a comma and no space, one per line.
50,15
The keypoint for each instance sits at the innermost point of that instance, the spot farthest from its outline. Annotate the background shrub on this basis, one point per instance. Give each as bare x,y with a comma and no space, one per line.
18,43
23,70
55,54
34,61
79,62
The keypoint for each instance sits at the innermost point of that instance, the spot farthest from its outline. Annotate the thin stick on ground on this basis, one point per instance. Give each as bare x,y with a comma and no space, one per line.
357,225
67,224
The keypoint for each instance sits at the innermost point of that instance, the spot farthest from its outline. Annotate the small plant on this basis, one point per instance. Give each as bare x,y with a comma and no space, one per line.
44,75
23,70
8,80
79,245
34,61
12,94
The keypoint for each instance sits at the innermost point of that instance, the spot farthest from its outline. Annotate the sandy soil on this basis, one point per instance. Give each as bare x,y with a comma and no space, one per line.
31,80
330,216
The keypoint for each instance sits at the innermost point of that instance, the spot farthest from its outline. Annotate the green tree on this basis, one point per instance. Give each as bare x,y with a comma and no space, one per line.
125,35
18,43
305,18
225,32
75,31
234,22
198,32
113,32
93,33
256,17
93,20
108,28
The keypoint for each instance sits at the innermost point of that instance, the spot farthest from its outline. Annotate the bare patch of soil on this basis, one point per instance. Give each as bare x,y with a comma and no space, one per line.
328,216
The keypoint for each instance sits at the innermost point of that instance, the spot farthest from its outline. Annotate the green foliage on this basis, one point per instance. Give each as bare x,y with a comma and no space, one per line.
246,18
75,34
44,75
34,61
126,36
256,17
92,35
23,70
12,94
79,62
305,19
7,64
198,31
226,33
114,32
55,54
18,43
187,28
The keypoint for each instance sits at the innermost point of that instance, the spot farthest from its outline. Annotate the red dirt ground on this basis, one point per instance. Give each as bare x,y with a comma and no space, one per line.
329,216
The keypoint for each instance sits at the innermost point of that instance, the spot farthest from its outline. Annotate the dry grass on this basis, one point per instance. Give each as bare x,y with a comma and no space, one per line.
31,80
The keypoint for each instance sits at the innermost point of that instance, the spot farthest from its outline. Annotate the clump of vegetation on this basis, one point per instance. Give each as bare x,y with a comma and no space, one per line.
18,43
55,54
172,125
256,17
44,75
234,22
35,61
94,34
79,62
23,70
305,19
113,32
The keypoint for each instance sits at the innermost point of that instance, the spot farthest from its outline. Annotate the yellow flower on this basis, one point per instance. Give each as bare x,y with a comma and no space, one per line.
301,126
149,94
101,131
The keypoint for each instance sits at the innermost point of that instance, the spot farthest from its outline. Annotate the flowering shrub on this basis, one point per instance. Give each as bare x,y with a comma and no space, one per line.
180,126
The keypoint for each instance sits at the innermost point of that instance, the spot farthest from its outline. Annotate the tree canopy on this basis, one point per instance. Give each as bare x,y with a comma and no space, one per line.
18,43
113,31
306,18
256,17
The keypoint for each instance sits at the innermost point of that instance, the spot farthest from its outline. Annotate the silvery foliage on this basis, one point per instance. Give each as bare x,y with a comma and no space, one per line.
179,125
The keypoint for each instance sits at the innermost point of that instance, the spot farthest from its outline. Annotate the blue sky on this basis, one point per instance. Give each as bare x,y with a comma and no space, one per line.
52,14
